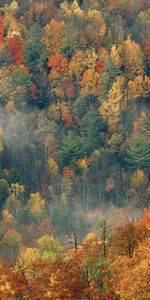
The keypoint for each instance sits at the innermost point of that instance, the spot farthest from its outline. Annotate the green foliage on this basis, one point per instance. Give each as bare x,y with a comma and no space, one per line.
83,105
48,244
95,269
72,148
13,176
49,247
138,153
92,127
74,119
72,41
35,55
4,192
20,78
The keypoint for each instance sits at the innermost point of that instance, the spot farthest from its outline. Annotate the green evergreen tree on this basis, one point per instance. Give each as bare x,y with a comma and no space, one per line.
35,51
138,153
93,126
72,148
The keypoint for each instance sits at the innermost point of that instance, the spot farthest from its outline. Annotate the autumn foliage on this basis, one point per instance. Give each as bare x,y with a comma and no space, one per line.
67,118
100,66
1,30
58,63
74,150
83,272
15,48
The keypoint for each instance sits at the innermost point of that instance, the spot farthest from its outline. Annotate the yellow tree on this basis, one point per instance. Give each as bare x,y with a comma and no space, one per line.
36,207
14,28
14,205
116,103
133,58
116,54
139,179
49,247
73,9
139,87
81,61
52,167
53,36
95,30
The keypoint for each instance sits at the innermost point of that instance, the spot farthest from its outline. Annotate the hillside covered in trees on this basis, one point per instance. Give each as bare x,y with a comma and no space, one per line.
75,149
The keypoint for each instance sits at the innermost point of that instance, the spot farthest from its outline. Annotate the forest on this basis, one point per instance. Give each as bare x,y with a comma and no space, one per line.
75,149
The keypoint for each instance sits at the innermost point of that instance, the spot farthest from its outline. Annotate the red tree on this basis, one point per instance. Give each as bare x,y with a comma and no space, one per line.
58,62
100,66
16,47
1,29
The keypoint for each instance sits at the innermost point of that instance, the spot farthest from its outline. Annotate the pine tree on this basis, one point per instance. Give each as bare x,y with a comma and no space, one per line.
138,153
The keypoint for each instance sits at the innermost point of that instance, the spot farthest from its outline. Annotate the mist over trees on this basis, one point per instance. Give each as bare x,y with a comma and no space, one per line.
74,149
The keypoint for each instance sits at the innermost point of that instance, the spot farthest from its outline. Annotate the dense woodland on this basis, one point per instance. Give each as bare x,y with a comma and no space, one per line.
75,150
